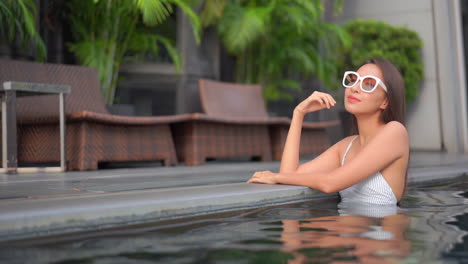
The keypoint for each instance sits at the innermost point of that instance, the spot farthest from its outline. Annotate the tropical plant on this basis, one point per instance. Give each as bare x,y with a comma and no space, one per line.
105,30
400,45
18,20
277,42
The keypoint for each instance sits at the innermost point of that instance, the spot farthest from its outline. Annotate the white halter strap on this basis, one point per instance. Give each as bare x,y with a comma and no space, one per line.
347,149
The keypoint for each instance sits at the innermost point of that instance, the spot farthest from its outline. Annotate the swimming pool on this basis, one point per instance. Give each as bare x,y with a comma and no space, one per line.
431,226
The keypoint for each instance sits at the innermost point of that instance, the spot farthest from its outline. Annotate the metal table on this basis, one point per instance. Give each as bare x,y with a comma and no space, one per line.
9,92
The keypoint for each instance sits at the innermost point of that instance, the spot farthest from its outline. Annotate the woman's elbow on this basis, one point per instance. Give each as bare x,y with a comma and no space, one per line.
326,187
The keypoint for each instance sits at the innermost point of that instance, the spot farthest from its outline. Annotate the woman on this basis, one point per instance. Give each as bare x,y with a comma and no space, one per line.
369,167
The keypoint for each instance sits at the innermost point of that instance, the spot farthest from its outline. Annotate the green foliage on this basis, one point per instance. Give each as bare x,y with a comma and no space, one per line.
377,39
18,20
212,11
105,30
277,42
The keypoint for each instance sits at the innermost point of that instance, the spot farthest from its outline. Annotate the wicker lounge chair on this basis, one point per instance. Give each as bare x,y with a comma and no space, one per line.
236,124
92,134
202,137
314,138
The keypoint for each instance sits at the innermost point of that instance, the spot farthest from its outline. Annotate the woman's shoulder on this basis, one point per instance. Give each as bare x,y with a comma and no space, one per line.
391,135
391,132
395,130
395,125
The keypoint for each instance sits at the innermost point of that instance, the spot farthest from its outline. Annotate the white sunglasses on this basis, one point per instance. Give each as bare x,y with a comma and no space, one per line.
368,83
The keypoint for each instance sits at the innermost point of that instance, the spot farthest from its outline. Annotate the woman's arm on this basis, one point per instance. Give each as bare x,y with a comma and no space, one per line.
389,145
315,102
290,157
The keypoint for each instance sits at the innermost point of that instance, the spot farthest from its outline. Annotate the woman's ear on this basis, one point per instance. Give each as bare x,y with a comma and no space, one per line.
384,104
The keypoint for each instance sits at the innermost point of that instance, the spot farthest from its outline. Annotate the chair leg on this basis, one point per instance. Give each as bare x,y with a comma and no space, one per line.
80,155
82,165
172,160
194,161
167,162
266,156
189,147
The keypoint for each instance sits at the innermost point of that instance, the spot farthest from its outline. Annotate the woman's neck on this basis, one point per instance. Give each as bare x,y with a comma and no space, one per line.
368,127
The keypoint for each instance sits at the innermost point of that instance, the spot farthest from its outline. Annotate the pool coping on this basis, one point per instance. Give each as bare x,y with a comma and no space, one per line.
23,219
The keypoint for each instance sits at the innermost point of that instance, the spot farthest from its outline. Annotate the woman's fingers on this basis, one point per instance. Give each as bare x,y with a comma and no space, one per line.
327,100
255,180
331,101
255,177
316,101
318,98
324,99
261,177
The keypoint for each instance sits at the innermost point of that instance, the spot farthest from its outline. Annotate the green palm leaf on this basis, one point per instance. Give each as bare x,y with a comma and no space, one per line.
6,16
242,26
285,41
193,17
153,12
142,42
105,30
20,18
171,49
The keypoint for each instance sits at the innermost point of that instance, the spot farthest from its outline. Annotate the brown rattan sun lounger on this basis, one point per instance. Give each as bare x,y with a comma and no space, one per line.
203,137
92,134
236,124
314,138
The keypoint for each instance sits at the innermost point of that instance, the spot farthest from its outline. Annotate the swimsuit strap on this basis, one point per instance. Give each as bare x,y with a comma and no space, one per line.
347,149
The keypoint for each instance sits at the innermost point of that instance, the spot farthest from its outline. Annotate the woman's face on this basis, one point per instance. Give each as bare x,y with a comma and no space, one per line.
358,102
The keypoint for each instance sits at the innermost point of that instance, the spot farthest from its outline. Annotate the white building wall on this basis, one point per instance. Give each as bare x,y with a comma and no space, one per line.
428,120
451,74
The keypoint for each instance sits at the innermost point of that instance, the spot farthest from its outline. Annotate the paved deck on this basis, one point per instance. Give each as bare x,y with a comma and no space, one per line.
55,203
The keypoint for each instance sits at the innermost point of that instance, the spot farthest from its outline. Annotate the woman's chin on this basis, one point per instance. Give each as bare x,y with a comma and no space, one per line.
355,110
350,108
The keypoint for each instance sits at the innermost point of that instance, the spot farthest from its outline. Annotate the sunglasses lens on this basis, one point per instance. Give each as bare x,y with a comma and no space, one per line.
350,79
368,84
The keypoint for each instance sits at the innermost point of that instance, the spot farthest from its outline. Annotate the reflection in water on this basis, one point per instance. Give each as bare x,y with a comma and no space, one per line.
366,234
430,227
460,249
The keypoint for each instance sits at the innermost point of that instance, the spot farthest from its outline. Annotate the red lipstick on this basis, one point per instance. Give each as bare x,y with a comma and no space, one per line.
353,99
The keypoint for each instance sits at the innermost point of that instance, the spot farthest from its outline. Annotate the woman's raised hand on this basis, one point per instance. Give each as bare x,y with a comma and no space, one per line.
316,101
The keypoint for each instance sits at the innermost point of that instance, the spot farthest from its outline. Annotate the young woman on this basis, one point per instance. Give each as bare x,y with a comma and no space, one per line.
369,167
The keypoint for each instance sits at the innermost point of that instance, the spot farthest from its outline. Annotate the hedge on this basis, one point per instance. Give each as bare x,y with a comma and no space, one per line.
377,39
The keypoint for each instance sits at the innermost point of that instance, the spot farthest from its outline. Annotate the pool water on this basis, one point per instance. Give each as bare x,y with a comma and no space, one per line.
430,226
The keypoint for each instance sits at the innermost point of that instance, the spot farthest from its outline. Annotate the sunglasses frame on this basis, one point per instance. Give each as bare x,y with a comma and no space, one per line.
360,79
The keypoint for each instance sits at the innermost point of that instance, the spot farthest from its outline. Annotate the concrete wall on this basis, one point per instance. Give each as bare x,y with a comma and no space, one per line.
451,74
432,120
